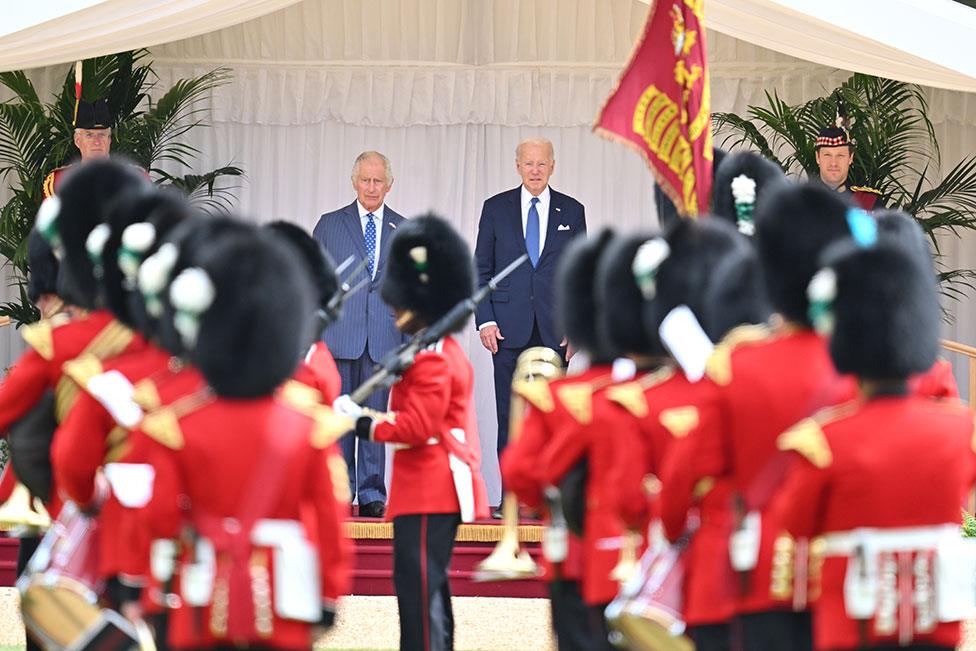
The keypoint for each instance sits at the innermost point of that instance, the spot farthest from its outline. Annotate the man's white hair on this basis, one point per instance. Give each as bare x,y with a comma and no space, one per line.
372,155
541,142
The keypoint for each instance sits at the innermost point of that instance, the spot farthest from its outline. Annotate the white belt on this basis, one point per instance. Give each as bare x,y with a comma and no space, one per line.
275,533
845,543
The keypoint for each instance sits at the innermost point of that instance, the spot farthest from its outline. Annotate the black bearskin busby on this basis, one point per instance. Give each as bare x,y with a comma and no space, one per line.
901,229
94,115
243,311
42,277
885,311
794,225
576,303
155,211
89,194
714,271
735,199
429,269
619,315
320,265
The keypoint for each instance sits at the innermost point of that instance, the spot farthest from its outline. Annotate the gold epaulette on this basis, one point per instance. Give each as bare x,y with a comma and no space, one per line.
536,392
329,427
299,395
163,425
807,438
864,188
47,188
40,335
577,398
146,395
679,420
82,369
630,396
718,368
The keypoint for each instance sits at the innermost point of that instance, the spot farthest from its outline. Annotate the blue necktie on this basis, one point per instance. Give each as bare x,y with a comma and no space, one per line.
370,243
532,233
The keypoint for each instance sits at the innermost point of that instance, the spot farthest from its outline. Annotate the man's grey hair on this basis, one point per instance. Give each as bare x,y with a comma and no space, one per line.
542,142
372,155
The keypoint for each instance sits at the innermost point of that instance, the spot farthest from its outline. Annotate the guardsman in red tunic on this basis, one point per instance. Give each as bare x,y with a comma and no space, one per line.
92,136
547,414
247,570
763,383
711,270
881,480
94,434
66,223
437,480
318,368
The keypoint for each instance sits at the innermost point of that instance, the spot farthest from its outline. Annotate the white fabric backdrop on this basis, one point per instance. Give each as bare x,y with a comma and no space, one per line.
446,89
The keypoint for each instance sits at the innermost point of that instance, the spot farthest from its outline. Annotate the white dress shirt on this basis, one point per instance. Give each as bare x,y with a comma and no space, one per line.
378,220
542,208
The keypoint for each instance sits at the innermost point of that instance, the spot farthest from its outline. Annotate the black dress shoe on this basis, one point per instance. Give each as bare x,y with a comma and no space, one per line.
496,513
372,510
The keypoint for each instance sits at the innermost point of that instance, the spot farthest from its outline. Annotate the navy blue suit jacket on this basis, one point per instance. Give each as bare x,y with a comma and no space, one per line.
528,295
367,323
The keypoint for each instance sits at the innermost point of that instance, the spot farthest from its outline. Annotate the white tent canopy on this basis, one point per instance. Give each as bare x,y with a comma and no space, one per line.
919,41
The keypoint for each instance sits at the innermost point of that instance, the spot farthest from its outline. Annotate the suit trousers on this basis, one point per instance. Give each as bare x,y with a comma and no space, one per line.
711,637
504,364
776,629
422,548
367,469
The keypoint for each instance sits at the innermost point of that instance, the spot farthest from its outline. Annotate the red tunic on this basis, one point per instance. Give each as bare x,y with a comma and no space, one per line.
318,370
937,382
432,399
763,384
606,437
892,462
54,342
186,443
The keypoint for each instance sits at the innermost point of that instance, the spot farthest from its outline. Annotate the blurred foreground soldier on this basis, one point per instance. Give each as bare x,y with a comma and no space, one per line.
742,181
66,223
835,154
248,568
318,368
895,573
547,414
436,480
92,136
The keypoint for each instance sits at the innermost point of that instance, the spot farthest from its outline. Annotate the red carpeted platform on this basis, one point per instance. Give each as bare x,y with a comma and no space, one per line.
373,568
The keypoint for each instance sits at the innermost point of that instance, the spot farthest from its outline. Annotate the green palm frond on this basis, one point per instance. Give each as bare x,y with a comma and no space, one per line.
207,191
895,151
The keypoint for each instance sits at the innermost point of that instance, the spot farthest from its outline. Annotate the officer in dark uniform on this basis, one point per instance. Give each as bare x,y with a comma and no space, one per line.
835,154
93,138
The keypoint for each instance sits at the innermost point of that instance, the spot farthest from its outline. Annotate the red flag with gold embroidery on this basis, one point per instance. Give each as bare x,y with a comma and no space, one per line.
661,105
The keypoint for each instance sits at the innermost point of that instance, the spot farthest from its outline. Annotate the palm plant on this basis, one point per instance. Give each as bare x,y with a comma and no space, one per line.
37,137
896,152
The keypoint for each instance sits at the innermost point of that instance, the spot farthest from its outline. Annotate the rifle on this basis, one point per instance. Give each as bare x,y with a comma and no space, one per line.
331,311
394,364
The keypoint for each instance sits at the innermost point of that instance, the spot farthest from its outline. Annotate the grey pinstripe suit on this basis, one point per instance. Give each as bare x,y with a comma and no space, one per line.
364,333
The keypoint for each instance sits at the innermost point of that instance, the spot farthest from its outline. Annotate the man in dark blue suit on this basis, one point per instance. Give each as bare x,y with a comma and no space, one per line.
533,219
366,331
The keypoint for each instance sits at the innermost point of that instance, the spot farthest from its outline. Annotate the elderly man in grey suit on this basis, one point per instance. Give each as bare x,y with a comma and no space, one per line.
366,330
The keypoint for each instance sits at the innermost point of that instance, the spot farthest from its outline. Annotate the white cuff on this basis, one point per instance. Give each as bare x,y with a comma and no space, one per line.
486,324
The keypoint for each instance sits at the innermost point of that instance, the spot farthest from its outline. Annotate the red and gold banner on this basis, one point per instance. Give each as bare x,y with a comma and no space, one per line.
661,105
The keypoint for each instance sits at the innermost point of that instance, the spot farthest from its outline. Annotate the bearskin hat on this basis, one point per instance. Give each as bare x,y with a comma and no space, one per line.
89,193
42,277
153,211
901,229
320,265
182,247
619,315
429,269
885,310
734,198
794,225
576,303
712,269
244,312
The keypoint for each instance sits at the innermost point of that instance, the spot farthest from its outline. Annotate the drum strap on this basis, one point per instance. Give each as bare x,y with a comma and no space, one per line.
233,535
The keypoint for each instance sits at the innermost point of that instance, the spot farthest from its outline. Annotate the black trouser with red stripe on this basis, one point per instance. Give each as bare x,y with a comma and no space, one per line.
422,547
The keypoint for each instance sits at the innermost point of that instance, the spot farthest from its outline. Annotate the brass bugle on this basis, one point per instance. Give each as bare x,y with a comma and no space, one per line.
21,510
508,561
